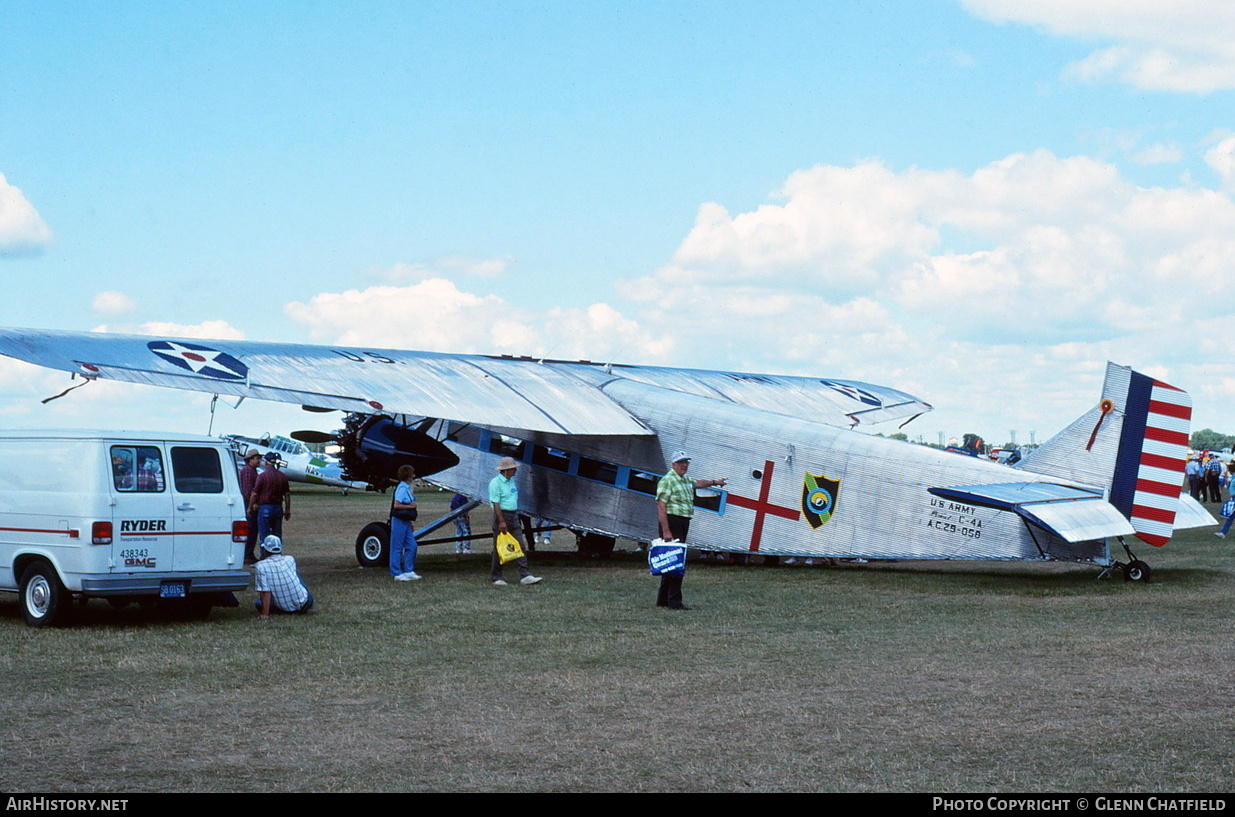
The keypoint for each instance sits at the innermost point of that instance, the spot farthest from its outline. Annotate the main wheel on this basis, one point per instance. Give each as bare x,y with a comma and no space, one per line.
373,545
595,546
1136,571
43,597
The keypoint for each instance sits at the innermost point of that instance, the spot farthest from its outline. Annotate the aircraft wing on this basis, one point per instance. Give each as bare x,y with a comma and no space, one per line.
511,393
844,403
1074,514
504,392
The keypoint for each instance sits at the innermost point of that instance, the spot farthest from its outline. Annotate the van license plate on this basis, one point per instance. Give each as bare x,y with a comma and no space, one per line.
173,590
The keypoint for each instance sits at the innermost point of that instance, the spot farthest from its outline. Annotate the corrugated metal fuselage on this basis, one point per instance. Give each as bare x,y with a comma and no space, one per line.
795,487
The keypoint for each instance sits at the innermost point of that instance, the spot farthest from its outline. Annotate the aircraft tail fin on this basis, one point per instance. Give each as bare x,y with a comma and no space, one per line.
1133,444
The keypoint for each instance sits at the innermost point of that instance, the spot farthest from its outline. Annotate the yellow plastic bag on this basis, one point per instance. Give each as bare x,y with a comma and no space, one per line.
508,548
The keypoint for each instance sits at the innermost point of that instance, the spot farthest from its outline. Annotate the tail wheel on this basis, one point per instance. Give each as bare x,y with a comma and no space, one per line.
373,545
43,597
1136,571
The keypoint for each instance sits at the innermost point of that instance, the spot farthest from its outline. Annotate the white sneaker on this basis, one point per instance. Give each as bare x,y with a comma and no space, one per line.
500,583
411,575
791,561
1220,535
403,577
530,579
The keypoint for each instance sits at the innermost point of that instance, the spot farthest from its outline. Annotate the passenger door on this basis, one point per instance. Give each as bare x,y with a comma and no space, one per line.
142,521
202,502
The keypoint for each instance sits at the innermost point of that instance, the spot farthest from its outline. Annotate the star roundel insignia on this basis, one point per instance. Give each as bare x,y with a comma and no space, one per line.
200,359
853,392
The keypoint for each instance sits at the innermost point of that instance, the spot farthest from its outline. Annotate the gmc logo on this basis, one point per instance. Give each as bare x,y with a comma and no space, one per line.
145,561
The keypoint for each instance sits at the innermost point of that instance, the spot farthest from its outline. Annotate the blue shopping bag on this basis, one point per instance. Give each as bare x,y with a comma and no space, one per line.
667,558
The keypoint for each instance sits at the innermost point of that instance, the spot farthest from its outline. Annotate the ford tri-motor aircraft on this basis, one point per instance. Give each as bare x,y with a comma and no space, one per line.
593,440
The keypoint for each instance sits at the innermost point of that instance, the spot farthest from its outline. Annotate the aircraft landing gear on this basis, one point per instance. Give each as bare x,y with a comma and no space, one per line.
595,546
373,545
1134,569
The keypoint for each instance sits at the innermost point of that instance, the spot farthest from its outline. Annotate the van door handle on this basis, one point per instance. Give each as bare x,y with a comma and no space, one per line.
185,506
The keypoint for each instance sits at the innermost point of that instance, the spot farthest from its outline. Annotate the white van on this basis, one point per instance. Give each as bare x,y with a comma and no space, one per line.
120,515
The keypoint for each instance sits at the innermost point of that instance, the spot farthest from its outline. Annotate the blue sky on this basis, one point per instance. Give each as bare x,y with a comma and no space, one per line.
975,202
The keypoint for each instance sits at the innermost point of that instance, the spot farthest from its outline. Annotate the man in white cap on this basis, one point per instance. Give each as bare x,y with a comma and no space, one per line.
504,496
675,505
278,583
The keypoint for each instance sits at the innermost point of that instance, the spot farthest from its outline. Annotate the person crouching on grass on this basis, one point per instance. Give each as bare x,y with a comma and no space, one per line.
279,586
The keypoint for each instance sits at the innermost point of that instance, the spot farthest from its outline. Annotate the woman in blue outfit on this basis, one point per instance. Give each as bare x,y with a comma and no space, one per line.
402,535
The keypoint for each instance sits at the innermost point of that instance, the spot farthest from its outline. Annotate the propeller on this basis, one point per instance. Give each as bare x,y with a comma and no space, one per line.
310,436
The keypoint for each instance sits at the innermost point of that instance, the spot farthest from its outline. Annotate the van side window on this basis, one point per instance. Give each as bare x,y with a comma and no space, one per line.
137,468
196,470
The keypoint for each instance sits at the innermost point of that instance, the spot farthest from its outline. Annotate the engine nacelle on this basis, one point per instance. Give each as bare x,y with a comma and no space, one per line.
374,446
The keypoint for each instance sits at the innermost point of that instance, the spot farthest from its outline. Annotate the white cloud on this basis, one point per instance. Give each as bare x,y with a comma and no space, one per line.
1221,157
435,315
1184,45
22,229
111,303
453,266
206,330
1159,154
990,286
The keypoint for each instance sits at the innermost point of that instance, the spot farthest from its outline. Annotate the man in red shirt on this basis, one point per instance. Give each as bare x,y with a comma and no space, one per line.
271,500
248,479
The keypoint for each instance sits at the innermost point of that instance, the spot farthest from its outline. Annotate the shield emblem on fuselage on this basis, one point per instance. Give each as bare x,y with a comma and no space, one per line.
819,498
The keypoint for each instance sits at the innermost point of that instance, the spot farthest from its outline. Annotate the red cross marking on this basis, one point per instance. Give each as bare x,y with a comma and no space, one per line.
762,507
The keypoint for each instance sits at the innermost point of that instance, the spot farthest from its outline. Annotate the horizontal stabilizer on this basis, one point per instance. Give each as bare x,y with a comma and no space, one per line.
1073,514
1192,514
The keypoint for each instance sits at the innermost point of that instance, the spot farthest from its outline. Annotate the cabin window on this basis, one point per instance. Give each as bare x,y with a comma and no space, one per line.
643,482
506,446
137,468
605,472
463,435
197,470
550,458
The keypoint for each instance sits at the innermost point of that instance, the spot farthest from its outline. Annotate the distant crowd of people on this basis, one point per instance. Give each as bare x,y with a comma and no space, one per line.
1206,475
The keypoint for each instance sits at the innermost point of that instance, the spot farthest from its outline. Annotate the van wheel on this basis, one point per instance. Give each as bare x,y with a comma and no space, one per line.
43,597
373,545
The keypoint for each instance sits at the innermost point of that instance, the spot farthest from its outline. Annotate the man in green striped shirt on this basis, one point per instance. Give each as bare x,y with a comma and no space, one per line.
675,505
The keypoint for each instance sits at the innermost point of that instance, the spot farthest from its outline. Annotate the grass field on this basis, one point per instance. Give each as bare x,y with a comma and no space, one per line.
889,677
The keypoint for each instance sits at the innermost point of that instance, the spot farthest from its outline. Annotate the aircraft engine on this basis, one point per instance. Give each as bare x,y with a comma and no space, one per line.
374,446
